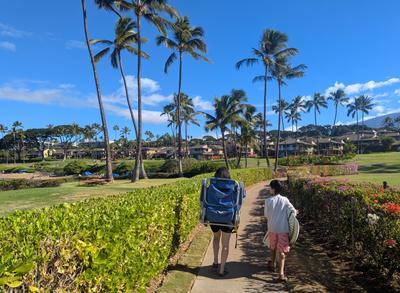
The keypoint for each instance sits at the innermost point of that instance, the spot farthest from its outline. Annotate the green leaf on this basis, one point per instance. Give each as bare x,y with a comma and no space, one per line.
25,268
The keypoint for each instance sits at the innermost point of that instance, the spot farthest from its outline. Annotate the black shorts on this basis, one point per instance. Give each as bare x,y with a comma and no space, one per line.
225,229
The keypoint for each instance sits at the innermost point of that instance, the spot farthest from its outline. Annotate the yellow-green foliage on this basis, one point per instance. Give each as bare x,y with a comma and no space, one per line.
116,243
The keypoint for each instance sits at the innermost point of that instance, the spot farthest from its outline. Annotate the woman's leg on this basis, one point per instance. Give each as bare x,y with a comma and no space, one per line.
224,251
273,258
216,240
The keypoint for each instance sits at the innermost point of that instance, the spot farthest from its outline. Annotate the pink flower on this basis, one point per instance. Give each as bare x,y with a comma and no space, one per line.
390,243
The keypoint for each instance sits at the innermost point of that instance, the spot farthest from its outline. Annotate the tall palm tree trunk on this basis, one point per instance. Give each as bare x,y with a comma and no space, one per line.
108,176
15,149
283,127
139,170
186,138
358,134
178,113
224,148
315,120
279,128
334,121
265,148
127,95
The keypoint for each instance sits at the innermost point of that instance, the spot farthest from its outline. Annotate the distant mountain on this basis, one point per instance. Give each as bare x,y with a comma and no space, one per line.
377,122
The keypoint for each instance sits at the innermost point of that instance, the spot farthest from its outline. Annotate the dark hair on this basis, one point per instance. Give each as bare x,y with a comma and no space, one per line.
222,172
276,186
385,185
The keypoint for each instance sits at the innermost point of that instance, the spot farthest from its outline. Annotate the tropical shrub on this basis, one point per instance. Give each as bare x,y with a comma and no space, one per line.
75,167
308,160
14,184
117,243
201,167
375,213
334,170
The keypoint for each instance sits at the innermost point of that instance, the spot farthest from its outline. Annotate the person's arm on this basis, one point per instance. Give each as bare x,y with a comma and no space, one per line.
291,208
265,208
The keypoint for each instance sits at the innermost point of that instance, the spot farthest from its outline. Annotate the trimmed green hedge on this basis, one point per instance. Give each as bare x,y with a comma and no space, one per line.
118,243
14,184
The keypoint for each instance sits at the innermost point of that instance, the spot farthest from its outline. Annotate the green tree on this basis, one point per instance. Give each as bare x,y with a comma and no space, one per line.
16,130
148,10
280,104
248,134
353,109
225,109
108,176
387,143
189,116
3,130
298,105
116,130
281,71
186,39
272,46
317,102
338,98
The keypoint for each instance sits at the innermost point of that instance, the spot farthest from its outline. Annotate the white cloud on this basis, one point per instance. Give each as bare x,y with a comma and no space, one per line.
9,31
379,109
65,95
380,95
397,92
74,44
361,87
8,46
201,104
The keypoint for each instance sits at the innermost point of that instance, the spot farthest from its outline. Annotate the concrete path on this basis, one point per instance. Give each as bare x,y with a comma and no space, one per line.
247,263
309,268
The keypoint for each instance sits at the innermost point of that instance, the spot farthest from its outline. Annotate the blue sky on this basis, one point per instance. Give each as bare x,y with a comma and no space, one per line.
45,74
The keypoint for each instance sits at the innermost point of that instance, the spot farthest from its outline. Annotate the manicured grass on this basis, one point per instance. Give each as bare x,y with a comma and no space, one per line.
180,277
67,192
376,168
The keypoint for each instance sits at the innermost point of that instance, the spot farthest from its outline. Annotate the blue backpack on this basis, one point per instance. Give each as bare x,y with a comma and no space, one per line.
220,201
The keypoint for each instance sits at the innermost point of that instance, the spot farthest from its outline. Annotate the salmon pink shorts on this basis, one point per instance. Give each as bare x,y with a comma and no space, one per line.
279,241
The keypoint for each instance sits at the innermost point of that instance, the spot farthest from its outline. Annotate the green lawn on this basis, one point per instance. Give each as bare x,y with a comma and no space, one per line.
377,167
67,192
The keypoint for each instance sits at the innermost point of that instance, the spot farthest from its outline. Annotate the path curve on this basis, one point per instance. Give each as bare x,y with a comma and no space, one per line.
309,268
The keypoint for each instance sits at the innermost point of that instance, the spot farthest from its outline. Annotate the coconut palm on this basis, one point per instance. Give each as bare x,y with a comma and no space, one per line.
125,132
3,130
317,102
186,39
339,98
108,176
189,116
388,122
148,10
298,104
247,129
110,5
292,116
353,109
125,37
273,45
169,111
282,71
16,129
282,104
225,109
366,105
116,129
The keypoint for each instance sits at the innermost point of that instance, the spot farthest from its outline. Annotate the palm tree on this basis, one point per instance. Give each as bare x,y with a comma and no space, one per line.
148,10
186,39
247,129
282,104
188,116
125,131
281,71
339,99
273,45
108,176
292,115
225,109
259,124
298,106
388,122
366,105
108,5
125,36
116,129
317,102
353,109
16,128
3,130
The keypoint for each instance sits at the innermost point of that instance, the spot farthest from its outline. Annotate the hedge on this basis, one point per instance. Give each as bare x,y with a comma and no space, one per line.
14,184
118,243
375,212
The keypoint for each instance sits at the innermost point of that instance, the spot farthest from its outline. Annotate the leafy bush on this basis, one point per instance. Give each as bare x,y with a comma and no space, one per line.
201,167
334,170
18,169
14,184
76,167
309,160
172,166
376,215
117,243
123,168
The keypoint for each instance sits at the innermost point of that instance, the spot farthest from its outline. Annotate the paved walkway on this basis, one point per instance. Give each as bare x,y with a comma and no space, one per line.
309,268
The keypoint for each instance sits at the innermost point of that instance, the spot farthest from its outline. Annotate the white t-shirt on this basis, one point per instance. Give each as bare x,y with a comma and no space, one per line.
277,210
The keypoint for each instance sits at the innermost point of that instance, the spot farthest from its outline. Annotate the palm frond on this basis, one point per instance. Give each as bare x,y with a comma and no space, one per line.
101,54
247,62
169,62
